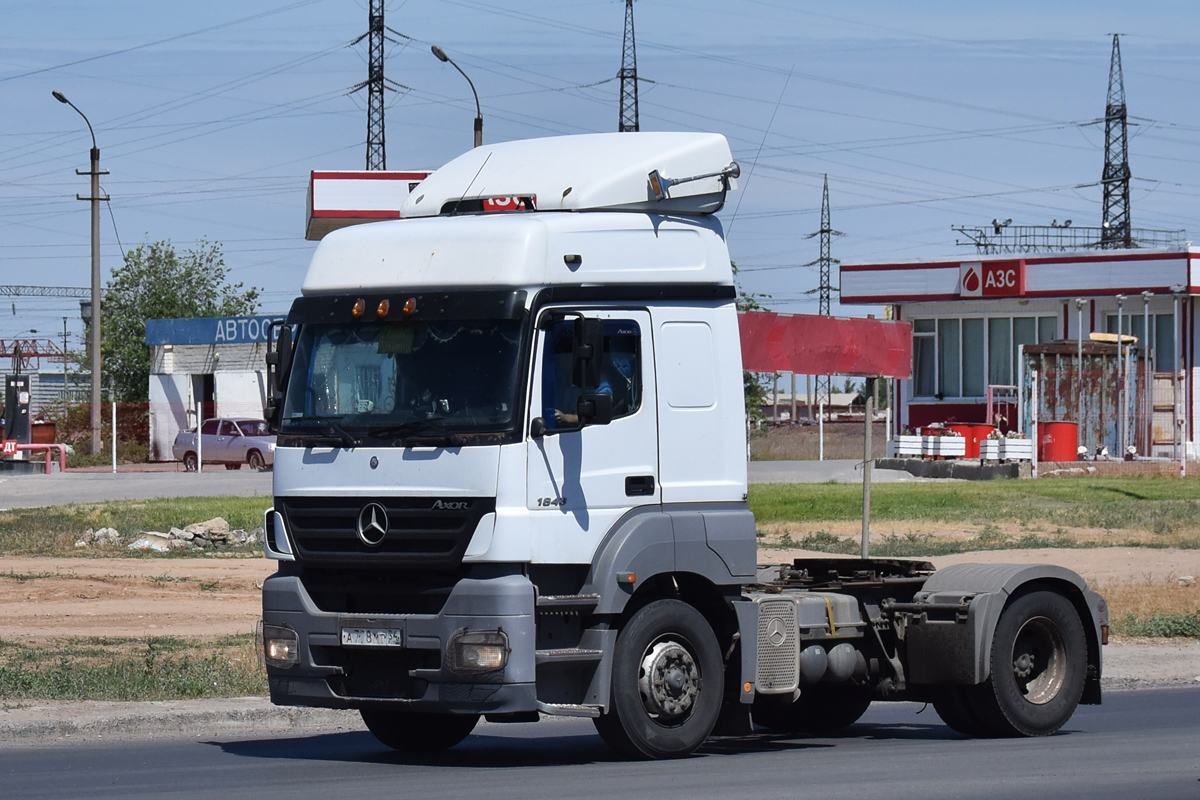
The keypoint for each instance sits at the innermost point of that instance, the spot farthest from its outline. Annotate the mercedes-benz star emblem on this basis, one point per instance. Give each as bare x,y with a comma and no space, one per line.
775,632
372,524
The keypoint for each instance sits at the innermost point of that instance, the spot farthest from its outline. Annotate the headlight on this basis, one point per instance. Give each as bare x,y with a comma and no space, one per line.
281,646
478,651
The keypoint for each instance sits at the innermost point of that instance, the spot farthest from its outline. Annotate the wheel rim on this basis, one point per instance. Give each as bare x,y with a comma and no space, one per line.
669,681
1039,660
256,461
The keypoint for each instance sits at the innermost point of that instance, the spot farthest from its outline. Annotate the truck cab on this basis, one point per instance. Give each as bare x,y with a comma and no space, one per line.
510,473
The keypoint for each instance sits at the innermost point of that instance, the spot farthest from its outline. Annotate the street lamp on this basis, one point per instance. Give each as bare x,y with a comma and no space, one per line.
441,55
1080,430
95,172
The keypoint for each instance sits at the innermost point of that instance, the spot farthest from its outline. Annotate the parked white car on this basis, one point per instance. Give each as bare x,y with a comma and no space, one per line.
231,442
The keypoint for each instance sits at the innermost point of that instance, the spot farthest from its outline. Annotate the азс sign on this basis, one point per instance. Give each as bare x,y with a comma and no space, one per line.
991,278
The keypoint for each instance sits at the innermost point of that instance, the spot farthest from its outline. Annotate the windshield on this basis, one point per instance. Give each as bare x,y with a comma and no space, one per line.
395,380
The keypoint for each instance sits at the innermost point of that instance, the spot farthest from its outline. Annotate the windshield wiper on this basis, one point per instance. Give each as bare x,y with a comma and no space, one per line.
339,435
411,432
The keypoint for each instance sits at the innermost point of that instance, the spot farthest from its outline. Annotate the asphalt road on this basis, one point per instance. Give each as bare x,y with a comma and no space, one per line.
1142,744
32,491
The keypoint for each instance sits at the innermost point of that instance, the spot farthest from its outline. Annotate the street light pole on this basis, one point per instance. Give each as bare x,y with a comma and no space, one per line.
441,56
1147,404
1080,431
64,366
95,172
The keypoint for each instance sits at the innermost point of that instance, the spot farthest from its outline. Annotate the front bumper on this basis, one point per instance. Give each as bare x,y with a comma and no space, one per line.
416,675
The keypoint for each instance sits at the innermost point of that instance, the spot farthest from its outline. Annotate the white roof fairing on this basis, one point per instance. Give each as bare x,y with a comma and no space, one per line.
586,172
520,250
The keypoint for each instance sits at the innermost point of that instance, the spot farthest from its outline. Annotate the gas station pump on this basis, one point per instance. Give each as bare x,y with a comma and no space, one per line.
16,416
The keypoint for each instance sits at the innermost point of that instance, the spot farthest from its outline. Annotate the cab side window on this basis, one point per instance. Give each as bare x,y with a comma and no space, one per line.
620,372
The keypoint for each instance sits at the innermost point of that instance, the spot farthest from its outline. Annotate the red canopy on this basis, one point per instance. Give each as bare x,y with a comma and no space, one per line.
815,345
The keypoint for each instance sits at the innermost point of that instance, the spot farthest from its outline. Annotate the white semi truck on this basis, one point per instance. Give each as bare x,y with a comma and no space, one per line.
510,481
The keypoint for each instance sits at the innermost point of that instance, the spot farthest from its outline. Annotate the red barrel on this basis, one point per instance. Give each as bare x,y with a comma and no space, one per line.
1058,441
974,433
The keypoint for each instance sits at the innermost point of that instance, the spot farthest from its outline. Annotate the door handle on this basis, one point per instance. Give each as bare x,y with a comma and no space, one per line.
639,485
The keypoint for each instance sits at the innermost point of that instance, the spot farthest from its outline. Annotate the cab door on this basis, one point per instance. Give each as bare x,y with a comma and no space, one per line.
581,480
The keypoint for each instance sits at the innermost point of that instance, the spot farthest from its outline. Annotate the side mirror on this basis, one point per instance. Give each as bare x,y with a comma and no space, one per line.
595,408
537,428
283,352
589,353
279,367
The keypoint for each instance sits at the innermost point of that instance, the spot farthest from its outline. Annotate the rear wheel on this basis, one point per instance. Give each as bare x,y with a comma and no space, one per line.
666,684
1038,667
823,711
417,732
190,462
255,460
955,705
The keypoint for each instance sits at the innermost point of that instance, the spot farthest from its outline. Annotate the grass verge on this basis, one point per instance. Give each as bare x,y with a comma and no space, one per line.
1159,625
1156,511
155,668
53,530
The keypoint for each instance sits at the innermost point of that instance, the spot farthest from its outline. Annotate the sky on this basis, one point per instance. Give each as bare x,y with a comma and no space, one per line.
925,115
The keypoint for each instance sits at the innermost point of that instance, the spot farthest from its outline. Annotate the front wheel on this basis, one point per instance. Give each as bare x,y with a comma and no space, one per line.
418,732
1038,668
255,460
666,684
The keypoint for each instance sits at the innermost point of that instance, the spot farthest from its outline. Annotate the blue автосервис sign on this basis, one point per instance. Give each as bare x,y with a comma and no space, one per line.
210,330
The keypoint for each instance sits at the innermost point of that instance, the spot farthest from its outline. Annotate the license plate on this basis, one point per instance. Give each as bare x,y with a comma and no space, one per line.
373,637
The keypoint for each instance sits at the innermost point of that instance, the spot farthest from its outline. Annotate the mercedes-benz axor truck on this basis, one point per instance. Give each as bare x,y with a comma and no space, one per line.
510,481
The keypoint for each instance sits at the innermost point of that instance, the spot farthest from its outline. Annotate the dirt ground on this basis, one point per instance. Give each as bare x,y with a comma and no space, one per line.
47,598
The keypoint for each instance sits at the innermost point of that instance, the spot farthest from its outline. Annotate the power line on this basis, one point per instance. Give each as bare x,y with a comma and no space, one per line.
157,42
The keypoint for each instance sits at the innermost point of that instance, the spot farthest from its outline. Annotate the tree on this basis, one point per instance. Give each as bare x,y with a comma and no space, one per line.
155,282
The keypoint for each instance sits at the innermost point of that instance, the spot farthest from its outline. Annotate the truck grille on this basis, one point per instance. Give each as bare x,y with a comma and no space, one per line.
778,668
421,531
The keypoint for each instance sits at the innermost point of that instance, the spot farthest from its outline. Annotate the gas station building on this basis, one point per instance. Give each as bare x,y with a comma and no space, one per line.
982,326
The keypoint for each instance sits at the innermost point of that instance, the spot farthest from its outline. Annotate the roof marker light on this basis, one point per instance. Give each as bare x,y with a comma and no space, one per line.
410,306
360,305
382,310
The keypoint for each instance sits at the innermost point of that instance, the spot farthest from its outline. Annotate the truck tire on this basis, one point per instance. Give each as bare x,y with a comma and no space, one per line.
418,732
1038,667
667,680
820,711
190,462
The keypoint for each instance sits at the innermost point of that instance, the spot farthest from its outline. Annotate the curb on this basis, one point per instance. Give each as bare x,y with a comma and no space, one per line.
91,720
